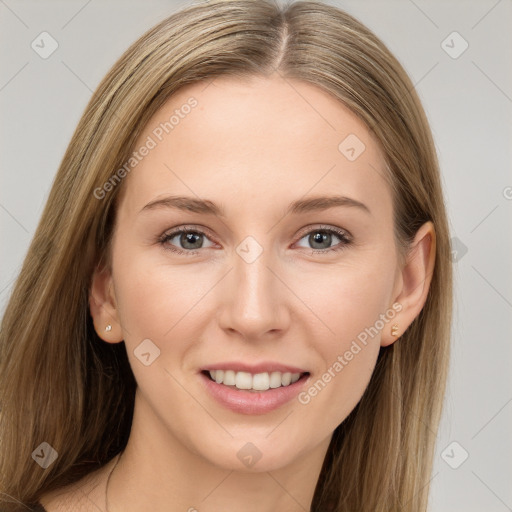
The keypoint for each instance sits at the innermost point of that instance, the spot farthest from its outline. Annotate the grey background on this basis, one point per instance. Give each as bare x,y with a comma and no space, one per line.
469,104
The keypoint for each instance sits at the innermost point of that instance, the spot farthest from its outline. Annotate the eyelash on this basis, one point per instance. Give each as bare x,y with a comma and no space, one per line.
341,234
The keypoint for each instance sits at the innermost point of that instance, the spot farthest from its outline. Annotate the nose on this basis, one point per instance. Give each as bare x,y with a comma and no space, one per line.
255,300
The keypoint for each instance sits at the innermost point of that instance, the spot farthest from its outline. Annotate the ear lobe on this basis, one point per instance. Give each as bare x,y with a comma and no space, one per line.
102,305
416,276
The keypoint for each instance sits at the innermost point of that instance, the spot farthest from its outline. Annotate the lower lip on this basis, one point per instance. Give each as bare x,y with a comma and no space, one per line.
252,402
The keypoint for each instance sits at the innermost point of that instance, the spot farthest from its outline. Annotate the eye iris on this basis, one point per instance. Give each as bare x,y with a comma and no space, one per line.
192,238
319,237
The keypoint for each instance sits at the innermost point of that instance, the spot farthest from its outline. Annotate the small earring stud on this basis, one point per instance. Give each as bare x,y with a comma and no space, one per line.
108,328
394,330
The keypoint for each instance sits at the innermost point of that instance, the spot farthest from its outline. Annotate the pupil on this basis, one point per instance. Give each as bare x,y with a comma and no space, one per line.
187,238
319,237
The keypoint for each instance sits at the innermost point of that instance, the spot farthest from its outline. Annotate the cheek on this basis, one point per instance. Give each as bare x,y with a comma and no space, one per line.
153,298
160,303
354,309
166,304
346,301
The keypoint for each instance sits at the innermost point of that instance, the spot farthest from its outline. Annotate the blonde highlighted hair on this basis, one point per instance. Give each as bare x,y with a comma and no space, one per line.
61,384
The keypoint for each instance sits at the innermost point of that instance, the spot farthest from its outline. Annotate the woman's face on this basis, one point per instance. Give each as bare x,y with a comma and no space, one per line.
268,278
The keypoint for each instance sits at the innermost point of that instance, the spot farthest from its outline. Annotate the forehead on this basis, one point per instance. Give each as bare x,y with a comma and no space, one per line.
260,138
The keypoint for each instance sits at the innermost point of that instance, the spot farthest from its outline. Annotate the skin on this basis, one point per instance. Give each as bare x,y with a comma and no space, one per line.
251,147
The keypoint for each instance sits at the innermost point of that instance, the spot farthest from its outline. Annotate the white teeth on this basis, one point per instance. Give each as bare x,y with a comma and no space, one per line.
257,382
243,380
286,378
261,382
229,378
275,380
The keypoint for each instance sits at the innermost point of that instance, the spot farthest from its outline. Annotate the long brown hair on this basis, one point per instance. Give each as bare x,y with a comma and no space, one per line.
59,383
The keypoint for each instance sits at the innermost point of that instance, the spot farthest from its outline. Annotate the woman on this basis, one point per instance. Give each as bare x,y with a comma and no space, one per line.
239,293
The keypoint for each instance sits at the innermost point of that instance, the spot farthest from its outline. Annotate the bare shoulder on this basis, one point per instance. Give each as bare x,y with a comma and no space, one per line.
85,495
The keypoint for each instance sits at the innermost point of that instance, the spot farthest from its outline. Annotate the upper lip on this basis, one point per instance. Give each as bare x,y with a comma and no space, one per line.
265,366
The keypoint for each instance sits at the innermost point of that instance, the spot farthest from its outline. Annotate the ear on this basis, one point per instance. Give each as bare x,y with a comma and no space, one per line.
413,283
102,304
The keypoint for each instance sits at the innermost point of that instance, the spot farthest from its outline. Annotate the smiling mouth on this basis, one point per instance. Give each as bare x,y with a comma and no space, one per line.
254,382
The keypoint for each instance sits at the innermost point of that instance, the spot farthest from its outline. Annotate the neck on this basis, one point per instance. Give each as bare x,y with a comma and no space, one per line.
158,472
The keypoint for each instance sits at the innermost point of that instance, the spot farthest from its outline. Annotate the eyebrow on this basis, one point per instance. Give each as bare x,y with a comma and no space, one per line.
205,206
